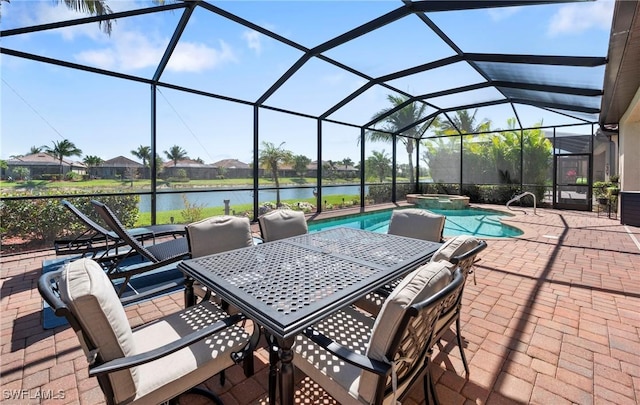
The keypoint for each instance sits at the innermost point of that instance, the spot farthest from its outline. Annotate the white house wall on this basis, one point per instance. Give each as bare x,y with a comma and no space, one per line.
629,139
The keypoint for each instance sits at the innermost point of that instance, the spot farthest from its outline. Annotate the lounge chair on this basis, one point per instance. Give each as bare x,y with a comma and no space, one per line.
104,245
157,255
282,223
359,359
155,362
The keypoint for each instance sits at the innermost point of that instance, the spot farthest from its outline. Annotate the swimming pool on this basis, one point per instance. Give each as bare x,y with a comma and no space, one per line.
471,221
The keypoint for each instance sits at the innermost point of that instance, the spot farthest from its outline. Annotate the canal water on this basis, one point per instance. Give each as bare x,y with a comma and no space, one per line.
175,201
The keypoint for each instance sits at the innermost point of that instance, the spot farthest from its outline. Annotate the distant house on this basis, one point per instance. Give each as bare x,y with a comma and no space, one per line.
233,169
193,170
119,167
43,166
338,169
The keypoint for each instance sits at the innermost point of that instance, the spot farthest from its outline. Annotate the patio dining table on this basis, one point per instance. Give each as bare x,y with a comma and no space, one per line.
290,284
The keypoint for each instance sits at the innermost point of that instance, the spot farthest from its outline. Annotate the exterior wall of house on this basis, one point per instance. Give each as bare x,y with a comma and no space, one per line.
37,172
629,144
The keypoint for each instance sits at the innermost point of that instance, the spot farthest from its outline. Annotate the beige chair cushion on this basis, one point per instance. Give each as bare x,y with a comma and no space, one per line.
91,298
169,376
455,247
417,223
218,234
282,223
350,328
421,284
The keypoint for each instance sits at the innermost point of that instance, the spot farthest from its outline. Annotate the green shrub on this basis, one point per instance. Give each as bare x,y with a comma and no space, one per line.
600,188
192,212
379,193
51,177
72,176
474,192
40,219
46,219
403,189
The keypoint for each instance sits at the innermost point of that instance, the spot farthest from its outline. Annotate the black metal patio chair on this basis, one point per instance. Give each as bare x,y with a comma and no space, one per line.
103,245
460,251
359,359
155,362
154,257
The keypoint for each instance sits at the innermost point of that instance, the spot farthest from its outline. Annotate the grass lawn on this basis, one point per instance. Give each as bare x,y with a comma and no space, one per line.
109,185
164,217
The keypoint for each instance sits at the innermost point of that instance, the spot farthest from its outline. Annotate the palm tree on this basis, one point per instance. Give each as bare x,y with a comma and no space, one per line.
330,168
36,149
403,118
300,163
159,165
272,156
62,149
465,123
92,161
379,163
91,7
175,154
143,153
346,162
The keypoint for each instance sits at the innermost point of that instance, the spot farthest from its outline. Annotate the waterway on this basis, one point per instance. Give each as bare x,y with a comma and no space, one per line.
175,201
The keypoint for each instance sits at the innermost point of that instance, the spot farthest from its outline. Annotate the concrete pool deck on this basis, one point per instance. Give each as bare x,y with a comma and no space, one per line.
553,319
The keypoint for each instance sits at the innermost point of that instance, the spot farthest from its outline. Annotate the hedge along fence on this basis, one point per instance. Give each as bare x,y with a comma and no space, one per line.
46,219
486,194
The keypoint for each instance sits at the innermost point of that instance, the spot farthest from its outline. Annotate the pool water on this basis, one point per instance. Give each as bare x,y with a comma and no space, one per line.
471,221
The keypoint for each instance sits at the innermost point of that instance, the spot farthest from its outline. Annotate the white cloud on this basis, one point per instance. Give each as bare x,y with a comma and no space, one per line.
44,13
129,48
127,51
253,41
579,17
195,57
502,13
130,51
104,59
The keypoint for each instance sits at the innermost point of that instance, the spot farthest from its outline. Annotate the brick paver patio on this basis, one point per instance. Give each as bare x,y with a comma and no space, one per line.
553,319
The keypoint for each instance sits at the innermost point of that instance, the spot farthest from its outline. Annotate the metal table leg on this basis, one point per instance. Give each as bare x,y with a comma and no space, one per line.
287,389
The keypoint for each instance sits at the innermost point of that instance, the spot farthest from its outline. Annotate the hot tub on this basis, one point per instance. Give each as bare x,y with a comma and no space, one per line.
439,201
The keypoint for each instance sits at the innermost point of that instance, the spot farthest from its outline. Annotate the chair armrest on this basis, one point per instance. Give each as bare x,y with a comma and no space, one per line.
146,357
457,259
346,354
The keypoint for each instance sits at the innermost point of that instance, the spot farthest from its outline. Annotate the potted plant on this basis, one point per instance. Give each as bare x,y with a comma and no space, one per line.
612,193
600,192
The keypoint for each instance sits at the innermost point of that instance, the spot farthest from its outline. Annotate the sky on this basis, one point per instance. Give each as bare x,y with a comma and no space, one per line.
108,117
